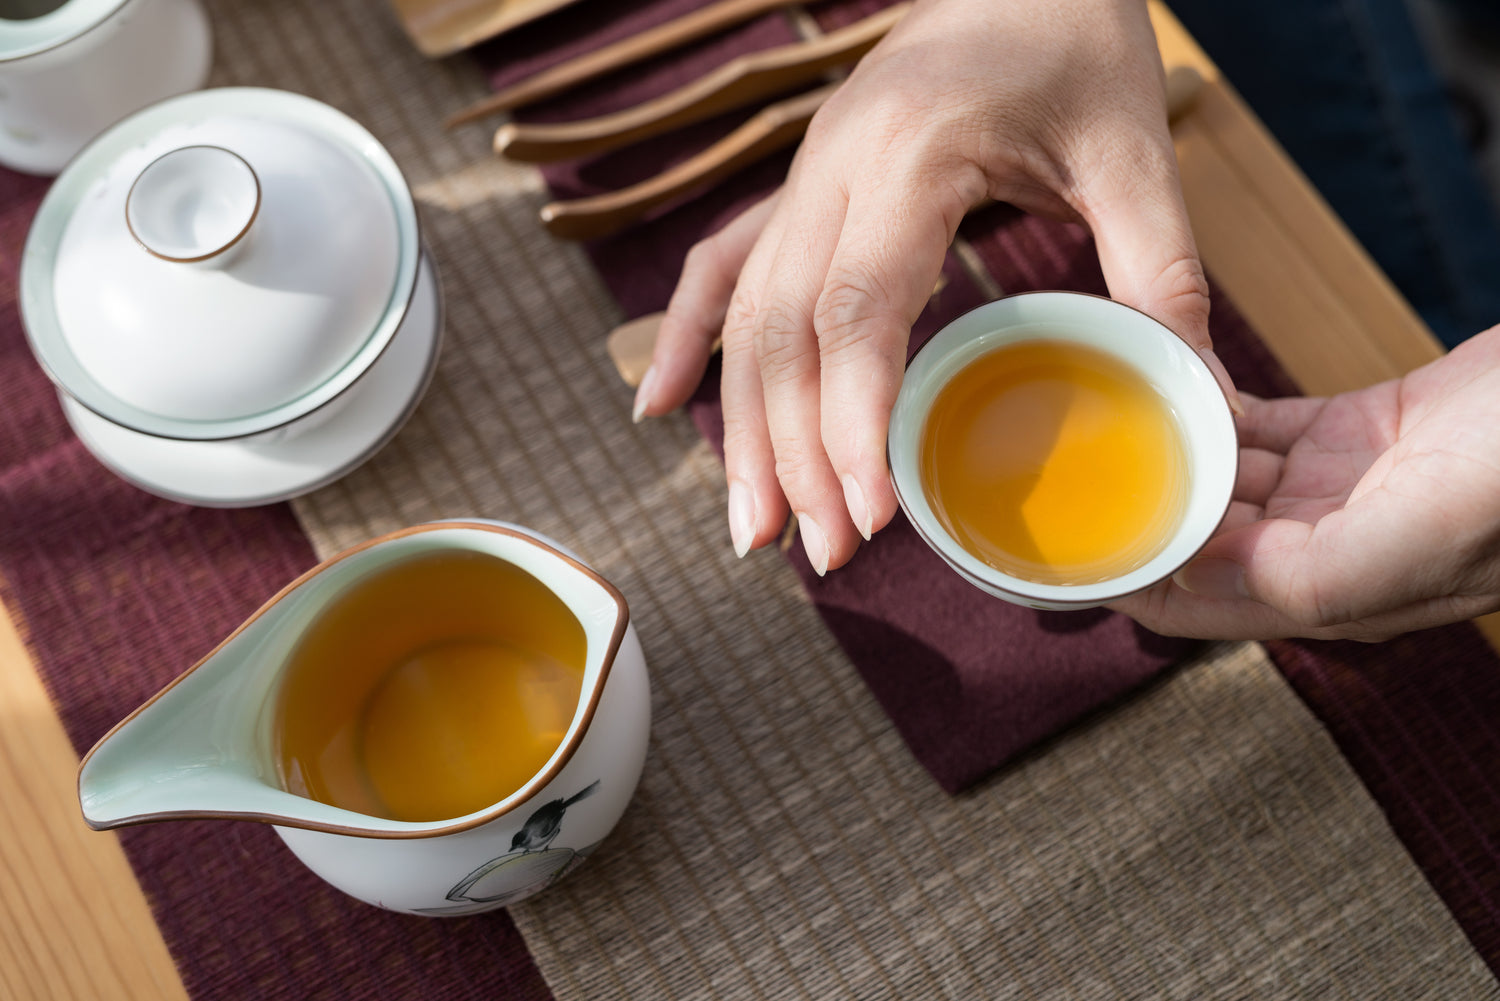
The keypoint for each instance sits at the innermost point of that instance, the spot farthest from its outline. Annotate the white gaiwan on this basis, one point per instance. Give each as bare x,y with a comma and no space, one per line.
219,286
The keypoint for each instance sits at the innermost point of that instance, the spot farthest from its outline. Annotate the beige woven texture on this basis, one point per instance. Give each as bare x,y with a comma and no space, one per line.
1204,840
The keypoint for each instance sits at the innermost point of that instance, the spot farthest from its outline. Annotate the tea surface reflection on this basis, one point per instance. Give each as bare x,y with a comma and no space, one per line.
1054,462
429,690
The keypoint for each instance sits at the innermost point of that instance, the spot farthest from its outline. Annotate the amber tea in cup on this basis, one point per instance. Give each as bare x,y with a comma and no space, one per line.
1054,462
430,689
1061,450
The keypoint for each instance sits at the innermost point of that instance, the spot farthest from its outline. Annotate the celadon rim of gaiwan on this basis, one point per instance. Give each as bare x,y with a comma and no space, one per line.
514,801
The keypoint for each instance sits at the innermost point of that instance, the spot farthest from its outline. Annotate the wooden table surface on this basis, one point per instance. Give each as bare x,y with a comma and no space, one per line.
84,930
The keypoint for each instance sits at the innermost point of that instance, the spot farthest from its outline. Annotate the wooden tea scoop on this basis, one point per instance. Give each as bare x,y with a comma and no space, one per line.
774,127
741,81
700,23
630,345
1183,86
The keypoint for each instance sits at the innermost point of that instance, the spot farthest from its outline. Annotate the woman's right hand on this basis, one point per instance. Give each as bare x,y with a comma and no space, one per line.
1057,107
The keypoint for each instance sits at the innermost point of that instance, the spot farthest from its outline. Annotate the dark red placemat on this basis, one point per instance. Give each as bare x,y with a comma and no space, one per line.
120,591
1416,716
968,680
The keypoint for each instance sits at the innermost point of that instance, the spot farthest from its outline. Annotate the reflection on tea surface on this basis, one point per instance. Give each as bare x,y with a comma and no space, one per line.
1054,462
431,689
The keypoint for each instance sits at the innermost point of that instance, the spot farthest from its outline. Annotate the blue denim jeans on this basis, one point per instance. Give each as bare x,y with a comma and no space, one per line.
1346,87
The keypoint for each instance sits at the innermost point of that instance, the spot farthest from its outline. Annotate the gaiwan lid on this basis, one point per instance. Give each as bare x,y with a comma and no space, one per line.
220,264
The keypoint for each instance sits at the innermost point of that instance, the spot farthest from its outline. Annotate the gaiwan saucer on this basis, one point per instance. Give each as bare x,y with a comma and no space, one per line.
268,468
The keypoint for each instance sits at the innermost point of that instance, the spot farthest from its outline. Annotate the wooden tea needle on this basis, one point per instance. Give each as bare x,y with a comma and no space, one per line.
700,23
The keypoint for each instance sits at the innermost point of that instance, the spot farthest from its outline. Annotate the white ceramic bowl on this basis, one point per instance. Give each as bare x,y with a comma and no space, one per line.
77,66
1166,362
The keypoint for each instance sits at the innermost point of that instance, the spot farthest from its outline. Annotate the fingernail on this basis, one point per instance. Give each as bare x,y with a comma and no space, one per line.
1221,374
1213,578
741,517
643,394
859,509
814,543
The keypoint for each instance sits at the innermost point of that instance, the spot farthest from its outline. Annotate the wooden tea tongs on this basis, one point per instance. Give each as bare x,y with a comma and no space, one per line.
737,83
700,23
774,128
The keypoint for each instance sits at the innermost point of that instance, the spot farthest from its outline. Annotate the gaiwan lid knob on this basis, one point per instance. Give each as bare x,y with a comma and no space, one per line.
193,205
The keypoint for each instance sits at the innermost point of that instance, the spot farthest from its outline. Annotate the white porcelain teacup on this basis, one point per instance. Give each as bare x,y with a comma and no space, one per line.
1205,426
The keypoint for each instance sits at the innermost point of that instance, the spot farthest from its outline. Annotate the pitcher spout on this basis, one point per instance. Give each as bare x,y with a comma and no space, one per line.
197,748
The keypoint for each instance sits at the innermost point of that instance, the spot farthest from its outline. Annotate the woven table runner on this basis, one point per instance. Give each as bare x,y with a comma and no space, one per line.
1203,838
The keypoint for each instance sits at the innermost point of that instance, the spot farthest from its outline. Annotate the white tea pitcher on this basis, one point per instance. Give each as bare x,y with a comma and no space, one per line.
204,746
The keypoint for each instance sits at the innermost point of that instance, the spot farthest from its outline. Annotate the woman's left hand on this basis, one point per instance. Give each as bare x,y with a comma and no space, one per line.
1362,516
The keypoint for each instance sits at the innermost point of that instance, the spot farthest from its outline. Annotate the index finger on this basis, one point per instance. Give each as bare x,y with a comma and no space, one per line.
695,315
888,258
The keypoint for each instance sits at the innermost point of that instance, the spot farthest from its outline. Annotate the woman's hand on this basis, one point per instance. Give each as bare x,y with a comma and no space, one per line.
1361,516
1055,107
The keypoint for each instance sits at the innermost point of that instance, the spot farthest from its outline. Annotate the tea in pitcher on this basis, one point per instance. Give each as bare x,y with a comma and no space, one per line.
1054,462
430,689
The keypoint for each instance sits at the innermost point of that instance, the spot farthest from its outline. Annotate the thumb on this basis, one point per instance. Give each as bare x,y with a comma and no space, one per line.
1271,562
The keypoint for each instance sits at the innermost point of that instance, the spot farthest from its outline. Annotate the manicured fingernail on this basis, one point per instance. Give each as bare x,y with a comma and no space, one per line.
1213,578
643,394
859,509
1222,375
814,543
741,517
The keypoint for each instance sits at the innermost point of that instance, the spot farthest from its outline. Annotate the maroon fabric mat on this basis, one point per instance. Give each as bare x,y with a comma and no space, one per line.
118,592
1416,717
967,680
